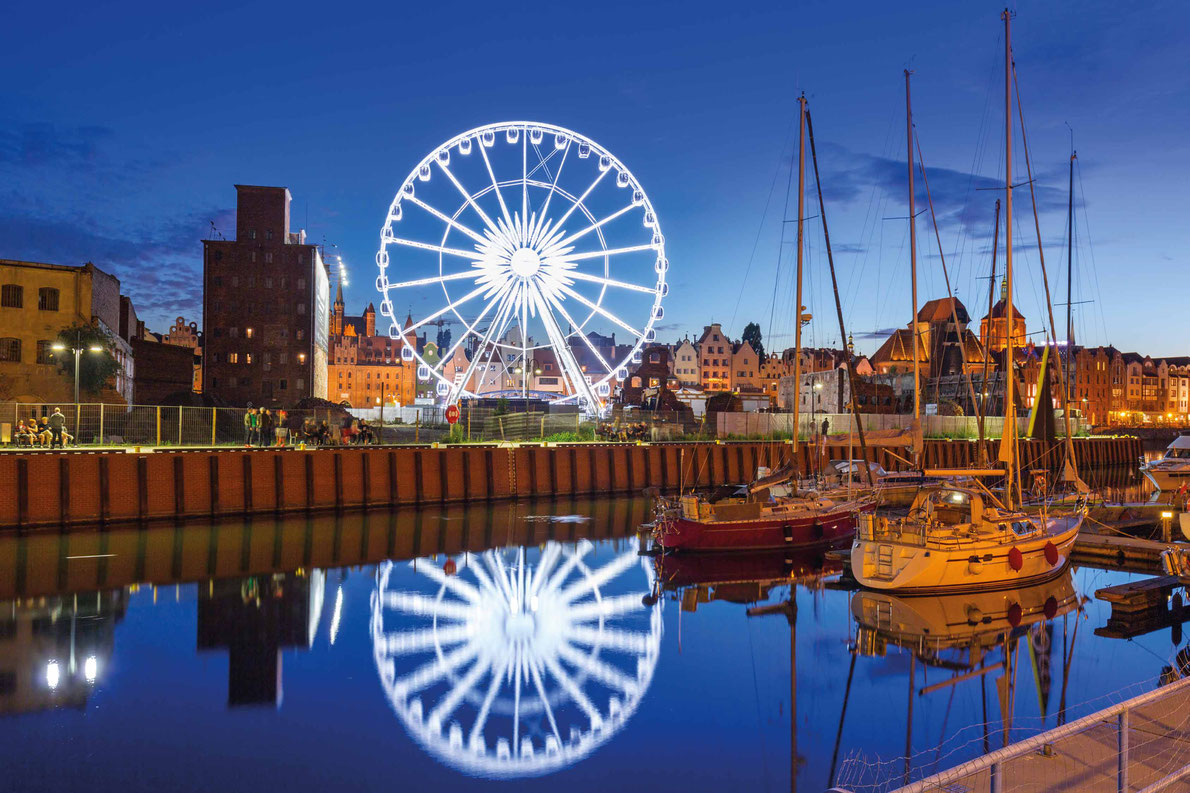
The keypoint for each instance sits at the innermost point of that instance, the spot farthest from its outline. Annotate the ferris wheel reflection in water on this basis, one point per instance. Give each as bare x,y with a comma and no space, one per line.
503,665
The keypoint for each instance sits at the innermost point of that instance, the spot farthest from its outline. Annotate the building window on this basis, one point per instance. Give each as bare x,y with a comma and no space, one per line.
247,357
268,235
251,234
283,384
12,296
301,384
268,258
247,333
45,352
235,280
47,298
10,350
301,308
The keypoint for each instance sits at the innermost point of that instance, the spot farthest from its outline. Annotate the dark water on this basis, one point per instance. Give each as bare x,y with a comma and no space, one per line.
293,655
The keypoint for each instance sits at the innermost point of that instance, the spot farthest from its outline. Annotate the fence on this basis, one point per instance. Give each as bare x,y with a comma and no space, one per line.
810,424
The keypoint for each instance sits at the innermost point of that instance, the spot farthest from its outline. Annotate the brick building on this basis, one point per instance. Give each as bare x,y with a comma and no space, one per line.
266,307
366,369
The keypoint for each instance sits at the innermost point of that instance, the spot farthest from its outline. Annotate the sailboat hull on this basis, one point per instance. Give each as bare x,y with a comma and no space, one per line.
804,530
950,565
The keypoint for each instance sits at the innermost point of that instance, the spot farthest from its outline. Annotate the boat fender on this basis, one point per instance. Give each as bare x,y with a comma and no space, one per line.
1051,553
1016,559
974,567
974,615
449,567
1050,608
1014,614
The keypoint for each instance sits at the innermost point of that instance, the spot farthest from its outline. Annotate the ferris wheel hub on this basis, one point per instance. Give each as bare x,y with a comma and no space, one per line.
520,626
525,262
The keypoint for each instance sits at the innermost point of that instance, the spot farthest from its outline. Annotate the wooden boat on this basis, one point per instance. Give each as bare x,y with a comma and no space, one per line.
784,522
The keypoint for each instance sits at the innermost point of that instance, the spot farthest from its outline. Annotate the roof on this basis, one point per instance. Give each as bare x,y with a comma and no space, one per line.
896,348
940,310
1001,307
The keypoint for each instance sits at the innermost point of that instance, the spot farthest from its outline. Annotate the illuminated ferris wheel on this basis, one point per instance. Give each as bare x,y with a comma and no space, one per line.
504,668
531,237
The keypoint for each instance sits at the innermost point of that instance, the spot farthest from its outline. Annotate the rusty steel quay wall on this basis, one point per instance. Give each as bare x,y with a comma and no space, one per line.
47,489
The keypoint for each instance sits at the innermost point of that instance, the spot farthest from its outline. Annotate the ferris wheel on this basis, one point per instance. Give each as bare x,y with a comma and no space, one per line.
503,668
530,238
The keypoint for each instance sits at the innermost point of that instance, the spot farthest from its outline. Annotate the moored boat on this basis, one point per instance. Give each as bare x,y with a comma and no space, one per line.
1172,470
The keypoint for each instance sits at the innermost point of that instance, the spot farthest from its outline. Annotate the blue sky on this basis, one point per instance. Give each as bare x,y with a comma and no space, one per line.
123,127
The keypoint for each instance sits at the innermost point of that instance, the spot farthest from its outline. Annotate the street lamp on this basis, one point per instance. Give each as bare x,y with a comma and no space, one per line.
77,349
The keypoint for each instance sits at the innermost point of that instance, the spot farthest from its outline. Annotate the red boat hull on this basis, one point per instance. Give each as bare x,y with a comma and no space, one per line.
736,535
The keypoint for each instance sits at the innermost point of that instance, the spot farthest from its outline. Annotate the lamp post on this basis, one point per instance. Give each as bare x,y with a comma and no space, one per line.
77,349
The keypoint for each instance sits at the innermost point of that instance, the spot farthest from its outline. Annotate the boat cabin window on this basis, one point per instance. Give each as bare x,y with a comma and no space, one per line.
1022,527
1177,454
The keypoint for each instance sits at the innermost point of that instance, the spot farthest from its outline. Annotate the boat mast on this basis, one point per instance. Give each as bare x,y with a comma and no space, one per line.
1070,271
1008,438
912,259
987,354
801,216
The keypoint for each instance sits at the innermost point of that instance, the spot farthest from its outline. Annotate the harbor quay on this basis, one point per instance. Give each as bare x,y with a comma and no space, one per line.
62,488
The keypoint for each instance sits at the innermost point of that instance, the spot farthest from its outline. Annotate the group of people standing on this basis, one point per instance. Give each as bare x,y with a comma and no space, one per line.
263,427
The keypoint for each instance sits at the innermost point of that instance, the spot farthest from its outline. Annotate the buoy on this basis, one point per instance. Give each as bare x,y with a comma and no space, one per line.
974,565
1051,553
1016,560
1014,613
449,568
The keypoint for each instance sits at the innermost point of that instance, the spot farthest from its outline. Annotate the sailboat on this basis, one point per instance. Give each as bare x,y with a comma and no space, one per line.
961,536
772,511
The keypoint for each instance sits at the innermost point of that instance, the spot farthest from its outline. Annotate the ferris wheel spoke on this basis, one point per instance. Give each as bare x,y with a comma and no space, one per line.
583,197
449,307
549,557
569,364
485,707
535,670
495,184
610,638
572,688
407,642
437,279
499,571
448,220
437,368
578,257
502,301
597,224
459,691
554,184
467,196
420,605
429,673
471,255
458,587
604,672
597,279
600,577
601,311
573,559
557,304
525,186
607,607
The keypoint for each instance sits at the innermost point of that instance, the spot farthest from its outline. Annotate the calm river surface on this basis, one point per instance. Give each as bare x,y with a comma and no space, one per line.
512,647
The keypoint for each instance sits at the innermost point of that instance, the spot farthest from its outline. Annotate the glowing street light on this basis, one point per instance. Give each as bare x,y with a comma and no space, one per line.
77,349
52,674
90,668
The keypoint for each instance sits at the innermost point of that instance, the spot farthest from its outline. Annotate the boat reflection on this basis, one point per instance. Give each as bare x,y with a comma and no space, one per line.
516,662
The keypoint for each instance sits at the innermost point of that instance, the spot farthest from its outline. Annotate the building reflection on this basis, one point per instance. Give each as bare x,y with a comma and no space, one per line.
54,650
254,619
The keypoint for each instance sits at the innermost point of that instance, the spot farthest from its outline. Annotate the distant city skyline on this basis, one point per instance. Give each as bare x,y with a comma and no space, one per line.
125,129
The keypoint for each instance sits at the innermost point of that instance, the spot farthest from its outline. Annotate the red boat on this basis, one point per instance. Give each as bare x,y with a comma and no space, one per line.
696,525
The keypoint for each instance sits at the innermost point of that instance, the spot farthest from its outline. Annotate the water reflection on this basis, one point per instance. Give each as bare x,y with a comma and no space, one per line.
54,650
254,619
516,662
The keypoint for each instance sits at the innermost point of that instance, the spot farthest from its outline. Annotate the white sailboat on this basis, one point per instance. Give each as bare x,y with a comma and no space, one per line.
960,537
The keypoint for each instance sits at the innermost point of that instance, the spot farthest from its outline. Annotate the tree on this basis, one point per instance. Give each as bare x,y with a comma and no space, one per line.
96,369
752,335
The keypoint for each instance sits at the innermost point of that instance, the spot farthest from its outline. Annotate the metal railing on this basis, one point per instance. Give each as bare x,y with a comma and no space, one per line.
992,771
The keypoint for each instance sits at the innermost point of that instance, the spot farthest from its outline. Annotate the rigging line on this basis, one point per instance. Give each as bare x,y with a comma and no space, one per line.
760,226
954,311
1091,250
781,247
